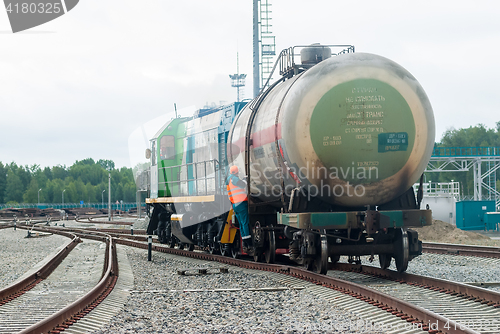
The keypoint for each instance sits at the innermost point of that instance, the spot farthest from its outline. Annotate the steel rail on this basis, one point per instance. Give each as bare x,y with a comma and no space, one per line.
90,219
64,318
478,294
485,296
112,231
465,250
17,289
405,310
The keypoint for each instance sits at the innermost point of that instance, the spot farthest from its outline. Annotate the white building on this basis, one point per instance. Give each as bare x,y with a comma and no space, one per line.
441,198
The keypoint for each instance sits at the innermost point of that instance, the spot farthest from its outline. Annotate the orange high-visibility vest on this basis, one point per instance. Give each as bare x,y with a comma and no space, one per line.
235,193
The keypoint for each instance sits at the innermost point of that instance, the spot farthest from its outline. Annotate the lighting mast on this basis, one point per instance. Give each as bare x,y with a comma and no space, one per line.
237,80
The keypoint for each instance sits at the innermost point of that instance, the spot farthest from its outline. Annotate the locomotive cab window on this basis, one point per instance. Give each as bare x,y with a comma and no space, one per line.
167,148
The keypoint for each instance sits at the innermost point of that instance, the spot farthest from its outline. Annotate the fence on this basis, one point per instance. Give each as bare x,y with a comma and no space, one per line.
125,206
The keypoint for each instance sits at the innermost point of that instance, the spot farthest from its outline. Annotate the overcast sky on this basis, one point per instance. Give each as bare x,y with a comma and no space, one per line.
84,84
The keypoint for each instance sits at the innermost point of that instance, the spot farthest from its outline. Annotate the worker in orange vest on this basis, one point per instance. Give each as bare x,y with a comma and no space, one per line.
237,192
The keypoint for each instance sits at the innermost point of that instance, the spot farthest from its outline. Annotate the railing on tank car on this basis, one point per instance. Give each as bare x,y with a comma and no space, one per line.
465,151
192,179
287,56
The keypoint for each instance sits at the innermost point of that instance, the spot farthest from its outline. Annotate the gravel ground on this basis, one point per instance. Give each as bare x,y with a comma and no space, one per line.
224,312
19,254
180,311
456,268
448,267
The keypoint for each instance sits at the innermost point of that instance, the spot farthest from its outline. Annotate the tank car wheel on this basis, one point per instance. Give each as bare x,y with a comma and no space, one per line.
320,263
270,252
384,260
189,247
402,251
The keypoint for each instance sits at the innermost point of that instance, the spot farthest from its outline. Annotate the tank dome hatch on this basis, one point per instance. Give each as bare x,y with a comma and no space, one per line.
314,54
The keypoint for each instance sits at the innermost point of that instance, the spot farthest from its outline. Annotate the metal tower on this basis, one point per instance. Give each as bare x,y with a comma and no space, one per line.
264,46
237,80
462,159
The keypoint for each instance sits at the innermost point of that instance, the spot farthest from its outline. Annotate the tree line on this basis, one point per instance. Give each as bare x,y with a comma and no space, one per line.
84,181
474,136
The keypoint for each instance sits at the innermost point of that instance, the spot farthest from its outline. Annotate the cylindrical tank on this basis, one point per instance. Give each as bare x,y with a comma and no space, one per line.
356,129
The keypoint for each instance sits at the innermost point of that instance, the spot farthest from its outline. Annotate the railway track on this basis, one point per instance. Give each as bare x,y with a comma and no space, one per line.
408,311
60,301
471,307
426,303
93,220
20,287
466,250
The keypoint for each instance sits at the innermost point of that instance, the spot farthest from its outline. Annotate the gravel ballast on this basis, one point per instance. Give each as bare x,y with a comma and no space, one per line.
175,310
160,303
19,254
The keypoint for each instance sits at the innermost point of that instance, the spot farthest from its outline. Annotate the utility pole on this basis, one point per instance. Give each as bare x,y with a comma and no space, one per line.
237,80
109,196
256,51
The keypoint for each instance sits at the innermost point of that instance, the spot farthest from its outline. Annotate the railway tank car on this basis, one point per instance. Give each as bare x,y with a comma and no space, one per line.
330,151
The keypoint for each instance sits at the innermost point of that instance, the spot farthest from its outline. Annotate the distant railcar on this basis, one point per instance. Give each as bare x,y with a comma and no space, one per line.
330,151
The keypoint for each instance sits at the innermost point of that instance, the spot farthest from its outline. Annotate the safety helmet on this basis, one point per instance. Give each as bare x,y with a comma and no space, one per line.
233,170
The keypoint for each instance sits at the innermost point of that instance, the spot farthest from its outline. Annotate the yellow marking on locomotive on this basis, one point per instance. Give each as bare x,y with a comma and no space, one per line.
229,230
230,216
186,199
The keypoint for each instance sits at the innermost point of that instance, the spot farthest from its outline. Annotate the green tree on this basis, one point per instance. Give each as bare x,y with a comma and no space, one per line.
54,190
83,181
71,195
129,192
59,172
473,136
469,137
48,173
24,175
81,191
106,164
117,194
91,193
88,162
14,188
31,194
